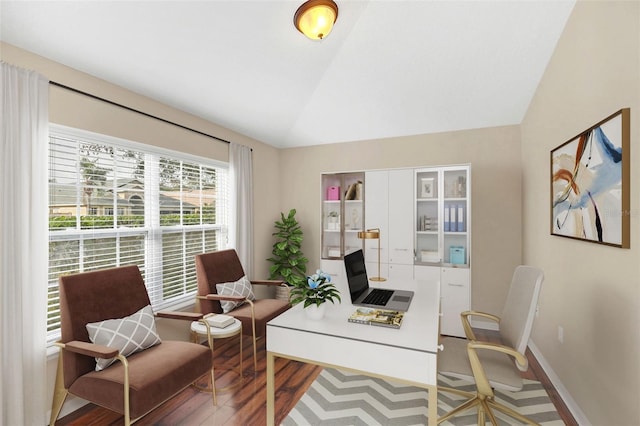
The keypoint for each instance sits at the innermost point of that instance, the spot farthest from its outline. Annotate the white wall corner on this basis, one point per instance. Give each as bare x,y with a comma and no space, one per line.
577,413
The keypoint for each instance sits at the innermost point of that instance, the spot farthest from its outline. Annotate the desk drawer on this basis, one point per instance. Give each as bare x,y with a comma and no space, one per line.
409,366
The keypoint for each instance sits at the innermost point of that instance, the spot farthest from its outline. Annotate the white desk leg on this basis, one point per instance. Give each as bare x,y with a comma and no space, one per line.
271,390
433,406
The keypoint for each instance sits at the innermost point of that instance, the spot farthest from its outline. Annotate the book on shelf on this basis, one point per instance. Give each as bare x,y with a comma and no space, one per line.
377,317
354,191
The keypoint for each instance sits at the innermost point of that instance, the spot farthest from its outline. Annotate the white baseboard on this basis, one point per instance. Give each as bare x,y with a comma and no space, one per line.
571,404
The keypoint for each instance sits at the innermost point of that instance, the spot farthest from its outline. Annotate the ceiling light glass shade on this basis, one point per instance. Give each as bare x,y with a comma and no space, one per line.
315,18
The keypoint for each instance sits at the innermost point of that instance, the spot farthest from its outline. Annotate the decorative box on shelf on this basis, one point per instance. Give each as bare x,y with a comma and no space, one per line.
333,193
456,255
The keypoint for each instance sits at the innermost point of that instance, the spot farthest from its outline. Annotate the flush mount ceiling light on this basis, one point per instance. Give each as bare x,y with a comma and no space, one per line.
315,18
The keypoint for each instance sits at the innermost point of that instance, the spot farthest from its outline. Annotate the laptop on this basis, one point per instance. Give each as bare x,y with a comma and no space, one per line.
363,295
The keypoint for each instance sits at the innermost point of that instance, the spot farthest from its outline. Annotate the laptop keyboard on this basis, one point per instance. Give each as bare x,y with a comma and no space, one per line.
378,297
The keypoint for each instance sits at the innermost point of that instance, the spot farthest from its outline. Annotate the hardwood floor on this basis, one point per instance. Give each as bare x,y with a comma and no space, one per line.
245,405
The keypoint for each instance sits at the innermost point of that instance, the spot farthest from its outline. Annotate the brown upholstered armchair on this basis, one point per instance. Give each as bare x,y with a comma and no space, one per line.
114,302
222,267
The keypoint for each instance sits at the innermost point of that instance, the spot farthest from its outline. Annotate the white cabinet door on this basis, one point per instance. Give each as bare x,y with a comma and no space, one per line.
401,217
399,273
426,273
455,298
376,215
335,269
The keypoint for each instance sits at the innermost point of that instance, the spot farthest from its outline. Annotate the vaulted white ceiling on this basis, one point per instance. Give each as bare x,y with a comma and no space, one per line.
389,68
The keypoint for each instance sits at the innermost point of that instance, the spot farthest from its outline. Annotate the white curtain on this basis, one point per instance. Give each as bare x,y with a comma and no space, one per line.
241,223
24,126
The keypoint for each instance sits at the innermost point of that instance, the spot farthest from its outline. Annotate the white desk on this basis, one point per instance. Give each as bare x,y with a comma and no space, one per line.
407,355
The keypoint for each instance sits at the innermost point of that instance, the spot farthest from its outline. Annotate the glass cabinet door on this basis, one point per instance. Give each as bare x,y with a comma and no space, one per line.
427,217
342,213
442,216
456,216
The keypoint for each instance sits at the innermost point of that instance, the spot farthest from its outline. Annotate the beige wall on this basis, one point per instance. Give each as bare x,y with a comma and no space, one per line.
76,110
592,291
494,155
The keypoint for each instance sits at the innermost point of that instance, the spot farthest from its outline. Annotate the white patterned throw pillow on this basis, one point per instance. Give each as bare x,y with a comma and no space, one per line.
129,335
242,287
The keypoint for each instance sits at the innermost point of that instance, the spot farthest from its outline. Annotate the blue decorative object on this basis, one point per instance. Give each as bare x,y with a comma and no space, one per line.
456,255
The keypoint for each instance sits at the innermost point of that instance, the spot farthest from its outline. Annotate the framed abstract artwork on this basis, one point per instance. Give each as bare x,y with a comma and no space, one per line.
590,184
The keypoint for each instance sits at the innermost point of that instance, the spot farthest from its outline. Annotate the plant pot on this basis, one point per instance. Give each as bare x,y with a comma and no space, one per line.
315,312
282,292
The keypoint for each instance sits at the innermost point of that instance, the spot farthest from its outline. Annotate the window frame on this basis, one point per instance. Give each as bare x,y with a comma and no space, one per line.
152,231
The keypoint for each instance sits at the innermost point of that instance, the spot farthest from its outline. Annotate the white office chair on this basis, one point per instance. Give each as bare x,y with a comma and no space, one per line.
489,364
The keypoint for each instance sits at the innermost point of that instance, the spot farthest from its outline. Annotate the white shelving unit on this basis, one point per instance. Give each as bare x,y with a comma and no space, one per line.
443,238
342,213
424,217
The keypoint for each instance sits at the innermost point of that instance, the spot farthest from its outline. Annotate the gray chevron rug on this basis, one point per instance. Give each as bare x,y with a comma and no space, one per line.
341,398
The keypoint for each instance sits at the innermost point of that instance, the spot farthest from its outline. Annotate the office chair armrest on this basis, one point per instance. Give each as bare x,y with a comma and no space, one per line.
89,349
466,324
185,316
268,282
521,361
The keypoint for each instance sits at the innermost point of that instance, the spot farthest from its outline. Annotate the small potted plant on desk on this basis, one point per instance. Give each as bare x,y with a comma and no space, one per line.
315,293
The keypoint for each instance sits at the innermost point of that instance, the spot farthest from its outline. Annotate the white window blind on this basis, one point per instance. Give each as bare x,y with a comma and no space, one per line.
115,203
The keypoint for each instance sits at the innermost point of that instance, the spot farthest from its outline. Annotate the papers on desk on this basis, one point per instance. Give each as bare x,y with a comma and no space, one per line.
378,317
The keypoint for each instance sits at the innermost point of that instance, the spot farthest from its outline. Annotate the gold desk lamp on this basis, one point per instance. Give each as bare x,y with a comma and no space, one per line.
373,234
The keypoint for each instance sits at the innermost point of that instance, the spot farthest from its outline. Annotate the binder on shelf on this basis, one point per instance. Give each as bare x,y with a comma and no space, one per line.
461,227
453,227
447,223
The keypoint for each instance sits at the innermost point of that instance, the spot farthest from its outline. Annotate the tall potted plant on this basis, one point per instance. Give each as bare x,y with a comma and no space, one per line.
289,263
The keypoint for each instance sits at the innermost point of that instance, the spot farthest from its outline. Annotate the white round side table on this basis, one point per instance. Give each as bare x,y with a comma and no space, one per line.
202,328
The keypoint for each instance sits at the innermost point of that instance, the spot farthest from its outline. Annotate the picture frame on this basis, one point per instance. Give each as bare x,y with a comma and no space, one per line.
427,189
590,178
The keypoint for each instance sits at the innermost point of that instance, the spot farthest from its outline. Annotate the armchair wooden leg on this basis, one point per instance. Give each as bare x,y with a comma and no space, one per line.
59,393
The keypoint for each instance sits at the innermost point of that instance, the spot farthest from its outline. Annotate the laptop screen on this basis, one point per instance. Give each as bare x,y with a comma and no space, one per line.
356,274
